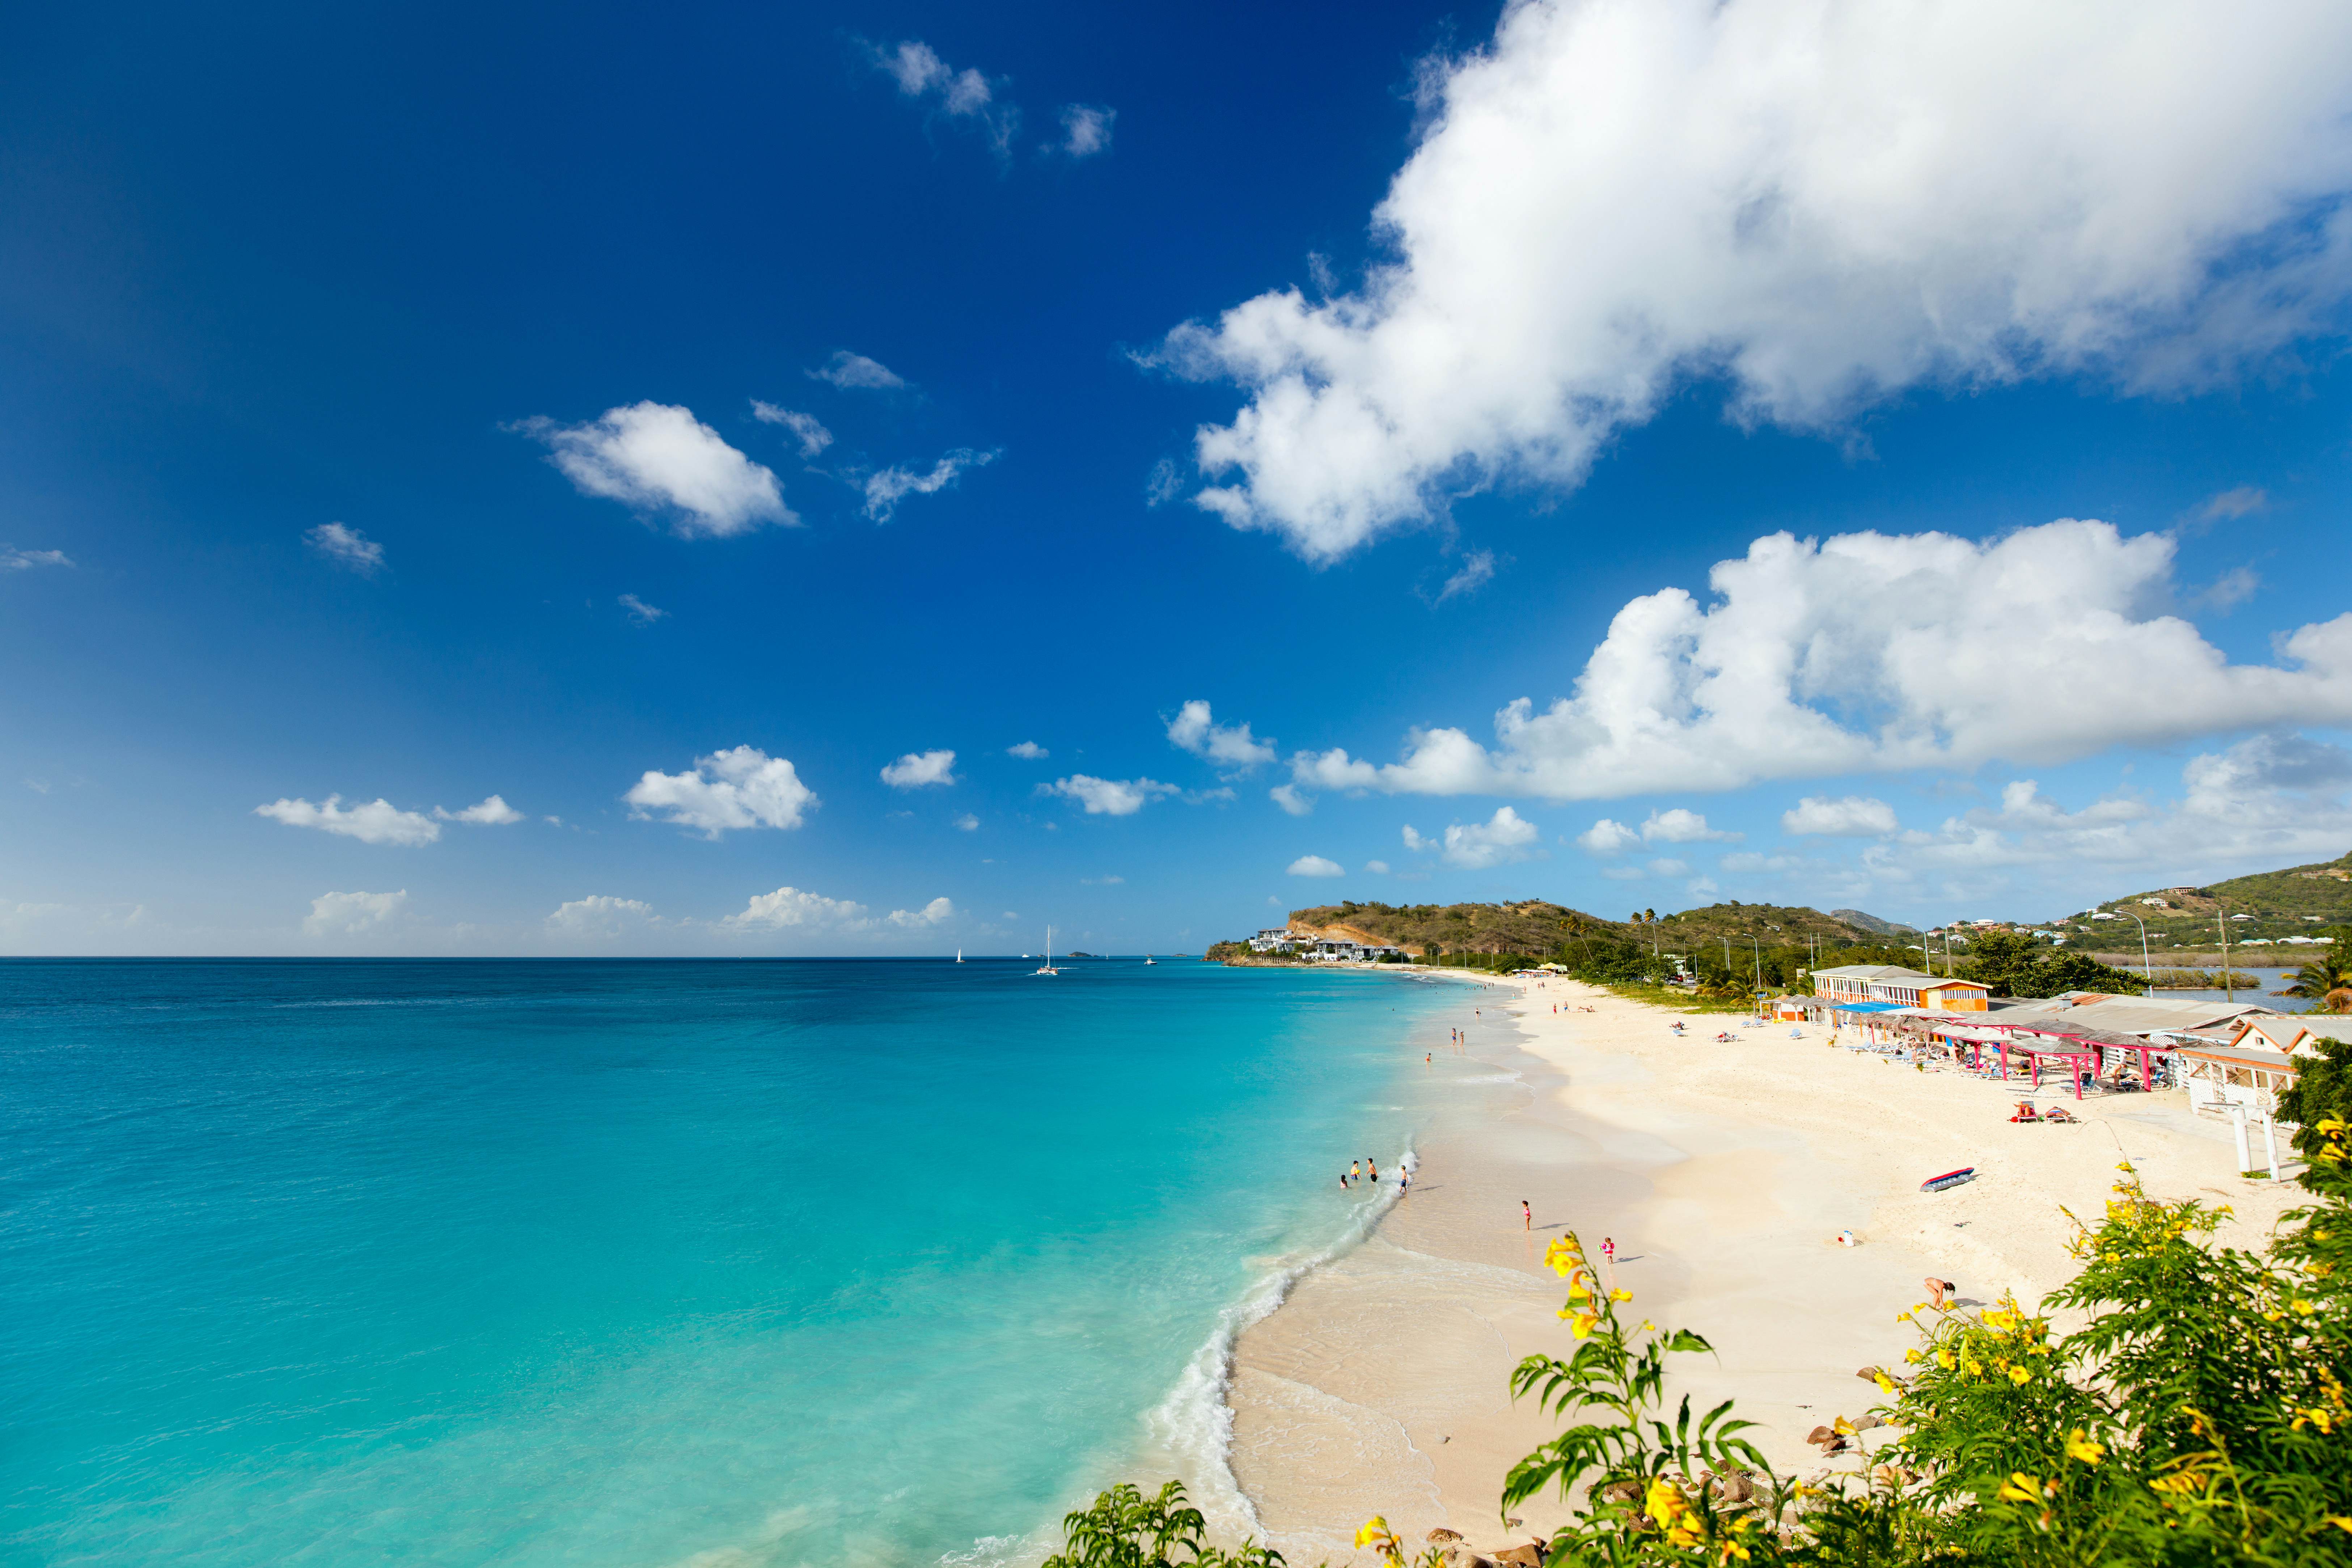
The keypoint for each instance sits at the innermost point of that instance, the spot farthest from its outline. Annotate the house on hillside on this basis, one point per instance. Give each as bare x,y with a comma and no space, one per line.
1275,938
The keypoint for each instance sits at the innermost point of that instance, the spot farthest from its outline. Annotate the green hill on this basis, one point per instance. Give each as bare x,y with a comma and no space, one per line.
1538,928
2301,901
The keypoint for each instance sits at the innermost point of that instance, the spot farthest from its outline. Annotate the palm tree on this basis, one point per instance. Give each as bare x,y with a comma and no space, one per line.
2326,980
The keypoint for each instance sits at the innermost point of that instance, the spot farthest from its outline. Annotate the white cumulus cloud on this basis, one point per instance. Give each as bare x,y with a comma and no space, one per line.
963,94
377,822
492,812
917,769
1315,866
739,788
1607,836
1475,573
1505,837
1027,751
939,912
886,487
1821,205
813,436
967,823
1848,816
14,560
792,907
856,373
601,914
1289,797
660,460
1086,130
1871,653
343,913
1193,729
1682,826
645,615
347,548
1108,798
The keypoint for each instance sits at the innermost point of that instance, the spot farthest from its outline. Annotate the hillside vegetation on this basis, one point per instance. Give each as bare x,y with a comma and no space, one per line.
1535,926
2300,901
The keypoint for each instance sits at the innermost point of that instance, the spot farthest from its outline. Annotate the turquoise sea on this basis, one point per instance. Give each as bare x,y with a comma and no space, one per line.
655,1264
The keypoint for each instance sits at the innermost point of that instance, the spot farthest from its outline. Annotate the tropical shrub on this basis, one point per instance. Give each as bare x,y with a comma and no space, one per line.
1125,1529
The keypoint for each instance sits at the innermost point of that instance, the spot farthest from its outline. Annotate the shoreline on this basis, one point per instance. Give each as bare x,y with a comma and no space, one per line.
1379,1385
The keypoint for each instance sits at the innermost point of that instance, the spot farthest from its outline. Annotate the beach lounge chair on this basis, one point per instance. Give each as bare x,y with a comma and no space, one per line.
1727,1037
2060,1113
2025,1112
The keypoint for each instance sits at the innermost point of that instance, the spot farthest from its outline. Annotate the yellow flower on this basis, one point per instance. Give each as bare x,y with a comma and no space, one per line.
2319,1419
2302,1307
1911,1357
2080,1446
2340,1522
1944,1360
1665,1502
1584,1324
1886,1386
1376,1533
1621,1295
1648,1326
2021,1488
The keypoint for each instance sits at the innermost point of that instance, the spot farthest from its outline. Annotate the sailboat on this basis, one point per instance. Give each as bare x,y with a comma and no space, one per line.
1048,968
1149,959
959,955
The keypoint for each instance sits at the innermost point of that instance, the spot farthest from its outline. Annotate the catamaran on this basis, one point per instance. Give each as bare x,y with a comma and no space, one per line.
1048,967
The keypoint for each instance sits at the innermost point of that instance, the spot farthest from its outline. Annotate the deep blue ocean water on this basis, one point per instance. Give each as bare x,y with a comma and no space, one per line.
648,1263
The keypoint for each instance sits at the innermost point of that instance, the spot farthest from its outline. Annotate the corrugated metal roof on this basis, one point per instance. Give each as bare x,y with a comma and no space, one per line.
1872,972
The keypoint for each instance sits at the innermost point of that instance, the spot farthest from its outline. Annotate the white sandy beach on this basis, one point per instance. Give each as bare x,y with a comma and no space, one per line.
1721,1171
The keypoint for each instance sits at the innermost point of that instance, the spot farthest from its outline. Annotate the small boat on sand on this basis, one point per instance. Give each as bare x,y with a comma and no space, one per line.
1949,1179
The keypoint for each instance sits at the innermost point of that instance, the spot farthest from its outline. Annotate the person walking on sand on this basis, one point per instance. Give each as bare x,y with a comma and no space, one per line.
1526,1213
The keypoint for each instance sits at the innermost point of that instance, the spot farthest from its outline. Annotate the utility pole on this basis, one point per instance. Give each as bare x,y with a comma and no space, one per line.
1760,959
2146,971
2221,918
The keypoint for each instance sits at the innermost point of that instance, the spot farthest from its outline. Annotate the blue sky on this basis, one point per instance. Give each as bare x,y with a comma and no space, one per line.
665,423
